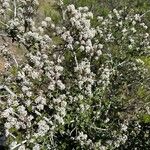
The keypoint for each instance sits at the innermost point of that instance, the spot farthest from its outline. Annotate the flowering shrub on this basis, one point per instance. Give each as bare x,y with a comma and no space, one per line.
77,86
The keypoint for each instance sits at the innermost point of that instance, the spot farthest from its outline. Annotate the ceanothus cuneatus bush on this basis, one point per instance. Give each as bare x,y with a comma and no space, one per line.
69,92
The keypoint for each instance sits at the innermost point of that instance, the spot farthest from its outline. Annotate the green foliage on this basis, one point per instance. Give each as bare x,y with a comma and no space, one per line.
146,118
107,118
50,9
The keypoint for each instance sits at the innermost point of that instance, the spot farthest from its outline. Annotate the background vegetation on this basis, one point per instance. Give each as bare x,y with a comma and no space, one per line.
126,101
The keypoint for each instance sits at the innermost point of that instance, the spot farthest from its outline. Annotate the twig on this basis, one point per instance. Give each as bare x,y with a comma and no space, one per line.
12,135
63,14
8,90
15,9
15,60
3,23
72,131
23,142
98,128
62,10
75,57
45,118
1,87
145,13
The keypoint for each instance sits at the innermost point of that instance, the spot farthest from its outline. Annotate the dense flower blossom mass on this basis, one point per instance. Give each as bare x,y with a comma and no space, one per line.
67,91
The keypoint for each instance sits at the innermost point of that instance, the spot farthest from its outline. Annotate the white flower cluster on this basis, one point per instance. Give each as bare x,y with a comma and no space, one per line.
53,92
60,106
42,128
80,21
31,37
85,76
128,29
105,76
83,140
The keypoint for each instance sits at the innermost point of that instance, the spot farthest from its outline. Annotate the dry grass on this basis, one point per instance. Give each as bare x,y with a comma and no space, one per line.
15,51
2,65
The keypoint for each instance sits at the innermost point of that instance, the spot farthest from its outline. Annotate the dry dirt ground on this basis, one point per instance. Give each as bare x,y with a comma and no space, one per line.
15,51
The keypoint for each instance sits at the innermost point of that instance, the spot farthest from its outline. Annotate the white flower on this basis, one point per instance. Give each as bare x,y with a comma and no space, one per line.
145,27
99,52
2,11
41,30
124,30
124,127
110,16
51,87
5,4
59,119
13,144
115,11
89,43
8,125
60,85
59,68
21,110
42,128
63,104
87,49
62,112
36,147
44,24
21,28
100,18
90,14
82,48
41,100
100,46
34,74
82,136
130,46
22,147
133,22
133,29
87,70
5,113
52,25
48,19
137,17
40,106
57,100
71,8
103,148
